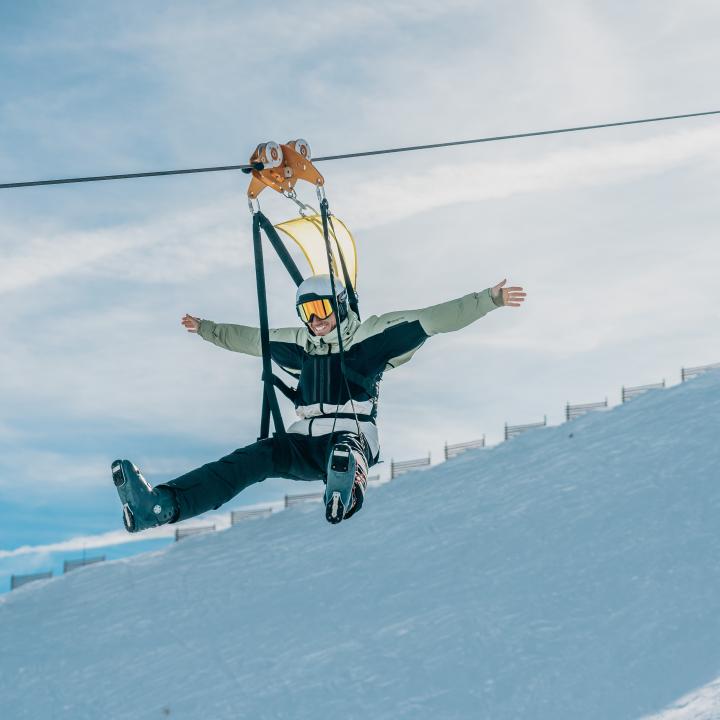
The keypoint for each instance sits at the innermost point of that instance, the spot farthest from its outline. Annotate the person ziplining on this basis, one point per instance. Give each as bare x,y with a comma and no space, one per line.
337,359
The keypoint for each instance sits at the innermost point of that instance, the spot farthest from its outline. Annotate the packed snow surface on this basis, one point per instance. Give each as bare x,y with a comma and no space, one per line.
571,572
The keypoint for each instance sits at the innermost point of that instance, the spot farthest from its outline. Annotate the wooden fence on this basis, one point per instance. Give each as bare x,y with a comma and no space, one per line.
183,532
291,500
686,373
459,448
513,430
17,581
70,565
573,411
237,516
628,393
403,466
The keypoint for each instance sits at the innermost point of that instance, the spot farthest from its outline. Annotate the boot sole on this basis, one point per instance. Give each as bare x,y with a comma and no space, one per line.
339,483
120,481
334,510
117,474
128,518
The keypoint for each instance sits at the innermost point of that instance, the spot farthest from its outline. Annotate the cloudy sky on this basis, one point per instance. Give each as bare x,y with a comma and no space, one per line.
614,233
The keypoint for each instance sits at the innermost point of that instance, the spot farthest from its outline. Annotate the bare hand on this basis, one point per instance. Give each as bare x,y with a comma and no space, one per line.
191,323
511,296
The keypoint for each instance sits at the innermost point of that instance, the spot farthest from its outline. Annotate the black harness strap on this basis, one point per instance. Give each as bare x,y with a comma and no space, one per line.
280,248
270,380
270,403
348,416
352,295
289,392
324,212
356,378
347,373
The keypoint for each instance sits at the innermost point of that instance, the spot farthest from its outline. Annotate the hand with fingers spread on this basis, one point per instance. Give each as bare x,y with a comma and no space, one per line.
191,323
509,296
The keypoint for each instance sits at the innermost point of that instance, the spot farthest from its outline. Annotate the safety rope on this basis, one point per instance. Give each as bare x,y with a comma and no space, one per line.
325,212
349,287
368,153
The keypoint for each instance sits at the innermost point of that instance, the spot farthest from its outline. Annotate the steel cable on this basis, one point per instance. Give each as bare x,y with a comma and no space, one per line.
368,153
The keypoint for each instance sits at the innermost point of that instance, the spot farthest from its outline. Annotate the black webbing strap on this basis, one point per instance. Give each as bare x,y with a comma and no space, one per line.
333,300
352,295
271,381
350,374
346,416
356,378
264,417
338,324
270,403
290,393
280,248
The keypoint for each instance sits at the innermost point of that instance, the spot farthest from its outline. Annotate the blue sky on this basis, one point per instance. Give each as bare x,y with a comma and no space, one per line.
613,234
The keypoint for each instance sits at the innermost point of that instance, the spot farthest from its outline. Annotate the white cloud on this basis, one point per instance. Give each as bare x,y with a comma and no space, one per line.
168,249
90,542
393,197
54,468
120,537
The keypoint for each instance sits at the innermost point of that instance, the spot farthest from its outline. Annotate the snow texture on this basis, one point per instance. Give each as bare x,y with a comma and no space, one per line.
703,704
568,573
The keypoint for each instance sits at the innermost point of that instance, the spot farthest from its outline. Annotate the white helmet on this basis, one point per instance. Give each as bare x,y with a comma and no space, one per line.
319,287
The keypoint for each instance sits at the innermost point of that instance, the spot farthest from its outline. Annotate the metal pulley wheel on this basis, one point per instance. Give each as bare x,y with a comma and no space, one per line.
302,147
270,154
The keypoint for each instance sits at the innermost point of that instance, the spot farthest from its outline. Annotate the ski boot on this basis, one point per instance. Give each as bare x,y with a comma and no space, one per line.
346,483
143,506
358,491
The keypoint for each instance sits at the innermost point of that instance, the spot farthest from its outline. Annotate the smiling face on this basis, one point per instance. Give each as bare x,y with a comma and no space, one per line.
322,327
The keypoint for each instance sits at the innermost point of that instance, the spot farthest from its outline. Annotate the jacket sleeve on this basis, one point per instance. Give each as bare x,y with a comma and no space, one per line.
284,348
238,338
457,314
405,331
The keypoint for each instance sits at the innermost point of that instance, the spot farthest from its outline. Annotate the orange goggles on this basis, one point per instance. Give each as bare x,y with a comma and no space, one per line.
320,308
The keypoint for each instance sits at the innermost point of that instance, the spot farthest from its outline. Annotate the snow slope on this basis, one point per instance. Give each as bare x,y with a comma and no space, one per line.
571,572
703,704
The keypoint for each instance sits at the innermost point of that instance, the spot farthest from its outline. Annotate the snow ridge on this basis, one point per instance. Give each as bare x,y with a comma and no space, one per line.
568,573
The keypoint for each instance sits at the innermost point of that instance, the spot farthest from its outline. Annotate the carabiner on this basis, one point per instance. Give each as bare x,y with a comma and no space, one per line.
302,207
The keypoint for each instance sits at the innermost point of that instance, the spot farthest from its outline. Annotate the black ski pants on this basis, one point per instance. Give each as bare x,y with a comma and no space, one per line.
294,456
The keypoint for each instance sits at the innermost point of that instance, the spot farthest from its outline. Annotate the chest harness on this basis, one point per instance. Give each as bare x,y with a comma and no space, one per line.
280,167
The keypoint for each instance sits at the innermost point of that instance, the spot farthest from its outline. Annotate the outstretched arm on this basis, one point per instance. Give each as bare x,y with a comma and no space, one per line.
239,338
404,332
457,314
284,348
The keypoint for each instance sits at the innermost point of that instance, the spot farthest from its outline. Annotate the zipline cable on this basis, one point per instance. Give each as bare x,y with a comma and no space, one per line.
368,153
496,138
